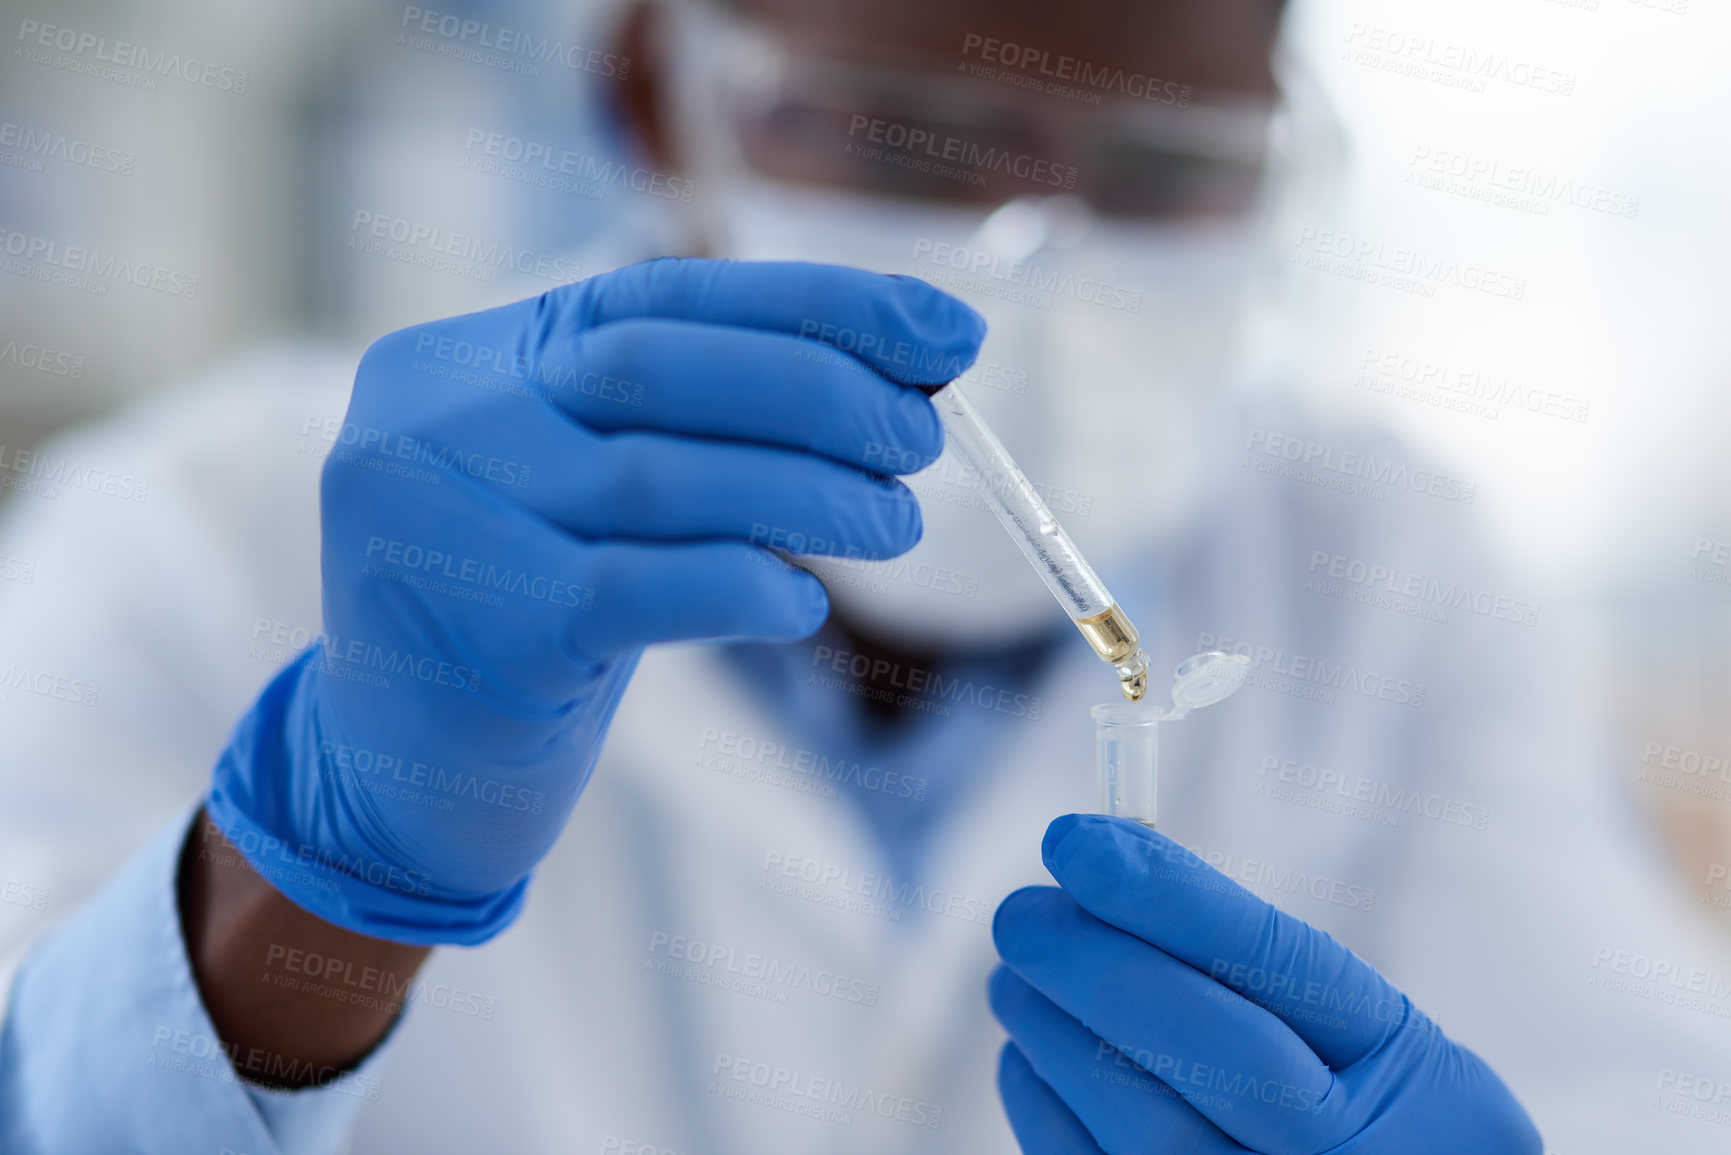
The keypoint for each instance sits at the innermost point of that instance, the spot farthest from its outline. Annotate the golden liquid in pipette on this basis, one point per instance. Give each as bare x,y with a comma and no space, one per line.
1115,640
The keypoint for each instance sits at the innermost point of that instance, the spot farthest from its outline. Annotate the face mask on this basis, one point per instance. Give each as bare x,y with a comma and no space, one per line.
1100,373
1101,388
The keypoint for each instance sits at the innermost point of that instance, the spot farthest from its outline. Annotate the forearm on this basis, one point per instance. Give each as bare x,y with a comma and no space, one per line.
295,999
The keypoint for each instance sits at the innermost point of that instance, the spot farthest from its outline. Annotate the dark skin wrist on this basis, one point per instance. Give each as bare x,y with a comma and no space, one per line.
295,999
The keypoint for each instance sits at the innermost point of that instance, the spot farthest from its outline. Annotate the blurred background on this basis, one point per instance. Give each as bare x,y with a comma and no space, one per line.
1577,381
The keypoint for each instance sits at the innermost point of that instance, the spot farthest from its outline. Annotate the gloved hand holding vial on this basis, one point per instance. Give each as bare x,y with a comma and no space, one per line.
1399,1084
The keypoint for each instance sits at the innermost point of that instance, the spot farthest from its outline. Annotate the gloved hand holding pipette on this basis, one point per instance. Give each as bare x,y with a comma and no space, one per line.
1154,1005
530,496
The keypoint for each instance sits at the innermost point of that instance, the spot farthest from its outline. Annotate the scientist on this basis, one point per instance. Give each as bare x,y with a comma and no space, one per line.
770,912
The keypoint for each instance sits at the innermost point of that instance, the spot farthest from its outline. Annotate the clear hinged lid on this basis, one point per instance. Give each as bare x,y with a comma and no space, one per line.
1204,679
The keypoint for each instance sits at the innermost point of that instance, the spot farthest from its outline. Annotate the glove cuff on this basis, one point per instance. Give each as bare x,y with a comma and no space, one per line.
267,778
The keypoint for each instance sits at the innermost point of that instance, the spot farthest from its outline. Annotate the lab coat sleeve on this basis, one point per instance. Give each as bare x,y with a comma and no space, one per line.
105,1044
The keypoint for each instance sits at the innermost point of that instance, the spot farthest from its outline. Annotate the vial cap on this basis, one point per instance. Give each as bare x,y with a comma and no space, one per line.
1204,679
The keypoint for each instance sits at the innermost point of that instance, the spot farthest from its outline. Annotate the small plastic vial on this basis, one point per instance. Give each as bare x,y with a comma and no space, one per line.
1127,734
1127,750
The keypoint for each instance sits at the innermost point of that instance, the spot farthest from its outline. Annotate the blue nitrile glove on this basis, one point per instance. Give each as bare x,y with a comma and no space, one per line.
521,500
1154,1005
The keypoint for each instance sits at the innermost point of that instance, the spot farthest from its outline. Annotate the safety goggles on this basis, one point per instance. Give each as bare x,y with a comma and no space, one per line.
923,134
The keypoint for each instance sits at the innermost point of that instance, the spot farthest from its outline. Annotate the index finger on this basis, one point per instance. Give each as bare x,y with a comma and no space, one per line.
1143,883
900,326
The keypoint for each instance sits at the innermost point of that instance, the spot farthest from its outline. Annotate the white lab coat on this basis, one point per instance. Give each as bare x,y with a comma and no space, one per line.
169,604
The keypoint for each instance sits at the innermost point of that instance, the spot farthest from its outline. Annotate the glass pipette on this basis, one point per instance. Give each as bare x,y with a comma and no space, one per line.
1048,548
